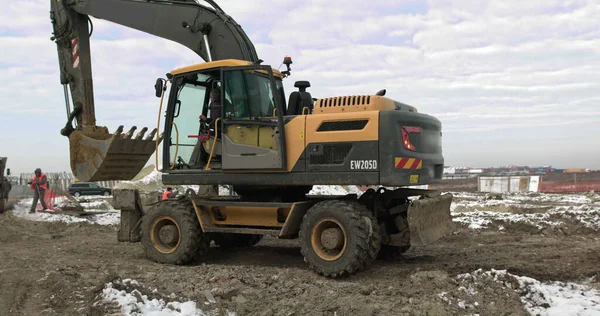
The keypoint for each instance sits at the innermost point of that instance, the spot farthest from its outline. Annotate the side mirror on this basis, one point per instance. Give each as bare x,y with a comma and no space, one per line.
158,87
8,172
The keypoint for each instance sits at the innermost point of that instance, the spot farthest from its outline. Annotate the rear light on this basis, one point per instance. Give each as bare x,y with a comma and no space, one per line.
406,140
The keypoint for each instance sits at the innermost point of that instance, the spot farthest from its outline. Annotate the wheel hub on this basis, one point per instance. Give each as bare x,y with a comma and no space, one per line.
165,234
328,239
168,234
332,238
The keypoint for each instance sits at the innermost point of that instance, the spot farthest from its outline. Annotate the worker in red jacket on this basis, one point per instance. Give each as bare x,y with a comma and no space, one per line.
168,194
39,185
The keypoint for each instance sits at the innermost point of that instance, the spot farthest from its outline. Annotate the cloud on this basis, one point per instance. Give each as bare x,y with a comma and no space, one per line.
489,70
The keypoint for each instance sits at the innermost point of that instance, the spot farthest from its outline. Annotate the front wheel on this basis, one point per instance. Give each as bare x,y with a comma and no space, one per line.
171,233
106,193
339,238
77,194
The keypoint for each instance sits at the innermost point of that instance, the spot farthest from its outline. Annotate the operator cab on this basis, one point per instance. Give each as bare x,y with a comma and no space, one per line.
247,120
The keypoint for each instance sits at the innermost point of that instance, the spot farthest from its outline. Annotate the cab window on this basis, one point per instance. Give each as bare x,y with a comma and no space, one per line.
249,94
191,100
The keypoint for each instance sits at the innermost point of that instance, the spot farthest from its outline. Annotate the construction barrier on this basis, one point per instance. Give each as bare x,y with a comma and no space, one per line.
571,183
558,187
549,183
50,199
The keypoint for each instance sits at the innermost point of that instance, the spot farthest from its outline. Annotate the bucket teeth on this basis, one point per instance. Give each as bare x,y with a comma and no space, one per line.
118,156
130,132
151,134
140,135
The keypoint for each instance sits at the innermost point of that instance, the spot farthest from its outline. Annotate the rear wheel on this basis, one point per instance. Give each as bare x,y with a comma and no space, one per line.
77,194
171,233
106,193
229,240
339,237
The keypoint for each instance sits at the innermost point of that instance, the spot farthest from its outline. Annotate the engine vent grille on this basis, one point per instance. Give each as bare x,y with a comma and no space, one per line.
331,155
342,126
344,101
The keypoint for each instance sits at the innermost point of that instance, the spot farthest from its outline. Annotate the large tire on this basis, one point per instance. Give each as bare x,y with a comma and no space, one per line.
375,240
229,240
182,238
349,222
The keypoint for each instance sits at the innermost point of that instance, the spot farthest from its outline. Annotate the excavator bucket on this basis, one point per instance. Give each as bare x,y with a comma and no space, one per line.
102,156
429,219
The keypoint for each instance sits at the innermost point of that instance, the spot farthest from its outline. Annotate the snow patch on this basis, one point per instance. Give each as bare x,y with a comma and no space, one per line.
586,216
539,298
133,302
479,211
334,190
106,216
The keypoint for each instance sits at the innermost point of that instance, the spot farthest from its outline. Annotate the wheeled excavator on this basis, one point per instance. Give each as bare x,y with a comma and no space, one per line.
227,121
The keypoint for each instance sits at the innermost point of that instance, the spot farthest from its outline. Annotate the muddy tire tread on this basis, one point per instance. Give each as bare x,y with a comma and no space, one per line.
375,240
194,243
367,237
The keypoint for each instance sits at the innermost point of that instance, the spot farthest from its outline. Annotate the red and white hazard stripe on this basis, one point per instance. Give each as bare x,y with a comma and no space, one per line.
75,45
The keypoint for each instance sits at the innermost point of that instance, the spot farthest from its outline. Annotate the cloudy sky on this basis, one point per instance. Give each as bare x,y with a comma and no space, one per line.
513,82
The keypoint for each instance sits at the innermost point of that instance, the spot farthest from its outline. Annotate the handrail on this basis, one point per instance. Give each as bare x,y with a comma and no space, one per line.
176,145
162,96
212,150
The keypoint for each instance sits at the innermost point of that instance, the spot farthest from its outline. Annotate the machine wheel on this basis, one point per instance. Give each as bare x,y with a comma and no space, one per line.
106,193
229,240
171,234
388,252
339,237
76,194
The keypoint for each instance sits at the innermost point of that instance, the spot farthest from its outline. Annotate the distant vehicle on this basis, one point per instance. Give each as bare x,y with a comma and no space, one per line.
88,188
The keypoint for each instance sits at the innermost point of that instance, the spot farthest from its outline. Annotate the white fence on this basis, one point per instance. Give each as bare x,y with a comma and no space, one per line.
502,184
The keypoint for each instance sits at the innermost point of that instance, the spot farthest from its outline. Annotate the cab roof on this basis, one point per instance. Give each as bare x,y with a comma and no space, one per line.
218,64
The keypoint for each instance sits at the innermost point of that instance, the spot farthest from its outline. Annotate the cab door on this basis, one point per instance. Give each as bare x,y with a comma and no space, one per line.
252,120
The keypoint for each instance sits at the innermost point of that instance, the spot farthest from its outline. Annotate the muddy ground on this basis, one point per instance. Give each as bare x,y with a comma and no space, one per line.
53,268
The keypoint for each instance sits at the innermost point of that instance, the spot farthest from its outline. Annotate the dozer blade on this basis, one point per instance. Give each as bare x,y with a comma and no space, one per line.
102,156
429,219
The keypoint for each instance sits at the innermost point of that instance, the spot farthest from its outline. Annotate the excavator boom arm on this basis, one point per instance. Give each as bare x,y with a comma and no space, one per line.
208,31
184,22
